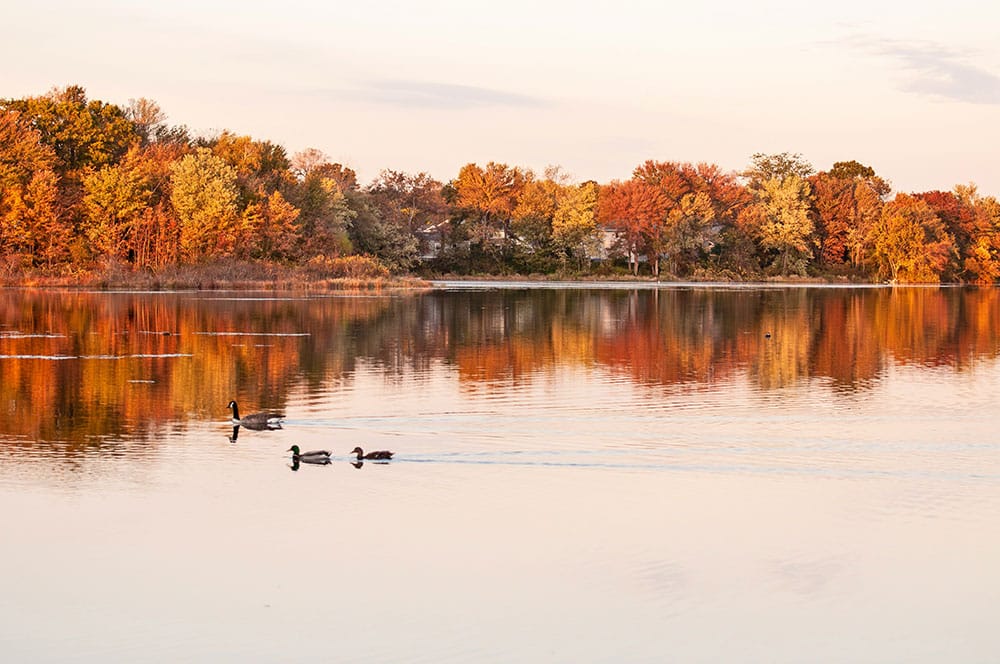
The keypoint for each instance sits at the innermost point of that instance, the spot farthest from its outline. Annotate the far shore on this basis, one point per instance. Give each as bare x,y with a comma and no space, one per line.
252,277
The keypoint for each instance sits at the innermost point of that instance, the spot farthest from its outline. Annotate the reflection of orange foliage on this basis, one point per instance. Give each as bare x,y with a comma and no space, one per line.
667,337
779,337
492,339
95,395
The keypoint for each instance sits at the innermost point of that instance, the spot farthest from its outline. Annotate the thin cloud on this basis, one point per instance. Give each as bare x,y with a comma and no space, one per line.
419,94
936,70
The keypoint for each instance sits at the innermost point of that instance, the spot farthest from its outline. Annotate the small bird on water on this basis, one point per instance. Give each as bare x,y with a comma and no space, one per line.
313,456
379,454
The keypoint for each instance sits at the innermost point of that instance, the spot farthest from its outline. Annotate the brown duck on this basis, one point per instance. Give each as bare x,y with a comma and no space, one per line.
379,454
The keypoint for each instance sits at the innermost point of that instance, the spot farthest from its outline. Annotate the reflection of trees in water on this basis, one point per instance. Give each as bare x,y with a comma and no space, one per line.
98,399
654,337
697,336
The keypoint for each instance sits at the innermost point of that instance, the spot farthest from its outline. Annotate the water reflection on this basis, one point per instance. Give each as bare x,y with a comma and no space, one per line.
81,368
298,461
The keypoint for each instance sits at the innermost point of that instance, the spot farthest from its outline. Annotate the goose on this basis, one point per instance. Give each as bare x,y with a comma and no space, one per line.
314,456
256,421
380,454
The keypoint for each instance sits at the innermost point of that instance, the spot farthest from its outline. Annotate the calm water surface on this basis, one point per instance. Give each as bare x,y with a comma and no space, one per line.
616,474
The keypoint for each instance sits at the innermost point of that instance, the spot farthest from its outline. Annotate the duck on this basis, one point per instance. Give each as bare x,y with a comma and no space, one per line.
380,454
314,456
258,421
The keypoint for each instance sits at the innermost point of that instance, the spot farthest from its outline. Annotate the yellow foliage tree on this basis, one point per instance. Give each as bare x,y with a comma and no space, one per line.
205,198
115,198
783,221
574,224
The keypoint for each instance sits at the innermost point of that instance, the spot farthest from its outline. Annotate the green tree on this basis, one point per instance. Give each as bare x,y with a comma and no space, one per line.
325,215
82,133
384,237
399,206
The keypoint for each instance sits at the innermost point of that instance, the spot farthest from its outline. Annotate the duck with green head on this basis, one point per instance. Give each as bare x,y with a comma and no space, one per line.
314,456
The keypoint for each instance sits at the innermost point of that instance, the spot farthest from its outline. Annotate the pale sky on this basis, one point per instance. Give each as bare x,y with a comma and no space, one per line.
909,87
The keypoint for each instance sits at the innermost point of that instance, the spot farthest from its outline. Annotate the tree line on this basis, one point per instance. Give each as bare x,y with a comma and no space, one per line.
85,184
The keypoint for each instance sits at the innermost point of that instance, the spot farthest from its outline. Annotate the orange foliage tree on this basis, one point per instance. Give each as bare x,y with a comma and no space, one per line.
633,208
489,196
910,242
33,229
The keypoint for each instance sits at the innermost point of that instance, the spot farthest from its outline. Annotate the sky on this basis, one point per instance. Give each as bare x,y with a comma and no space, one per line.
911,88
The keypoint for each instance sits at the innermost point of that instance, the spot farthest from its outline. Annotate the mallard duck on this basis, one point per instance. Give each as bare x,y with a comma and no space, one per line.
314,456
256,421
380,454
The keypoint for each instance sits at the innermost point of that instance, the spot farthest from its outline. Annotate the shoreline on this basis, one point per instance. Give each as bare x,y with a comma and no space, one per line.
292,280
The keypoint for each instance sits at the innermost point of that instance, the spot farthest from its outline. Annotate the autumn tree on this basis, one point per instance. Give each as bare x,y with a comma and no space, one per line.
765,167
690,223
156,232
205,196
698,203
82,133
114,199
148,119
959,218
488,196
326,214
674,181
384,237
410,201
533,215
262,167
400,205
847,202
32,226
269,229
981,257
779,215
910,242
833,205
633,208
780,221
574,222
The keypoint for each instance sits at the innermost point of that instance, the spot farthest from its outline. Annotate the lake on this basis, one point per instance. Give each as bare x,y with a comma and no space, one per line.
610,474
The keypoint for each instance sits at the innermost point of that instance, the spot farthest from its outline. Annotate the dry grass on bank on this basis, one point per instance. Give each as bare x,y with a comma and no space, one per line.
326,275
